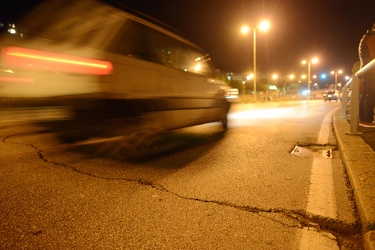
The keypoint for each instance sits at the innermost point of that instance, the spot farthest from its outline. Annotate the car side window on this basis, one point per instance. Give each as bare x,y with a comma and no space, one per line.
145,43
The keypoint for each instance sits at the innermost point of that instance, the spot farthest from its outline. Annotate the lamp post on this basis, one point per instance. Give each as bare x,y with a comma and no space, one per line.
263,26
274,77
291,78
248,78
335,73
314,60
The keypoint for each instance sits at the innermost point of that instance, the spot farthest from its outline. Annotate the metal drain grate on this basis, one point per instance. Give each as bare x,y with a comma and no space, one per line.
312,152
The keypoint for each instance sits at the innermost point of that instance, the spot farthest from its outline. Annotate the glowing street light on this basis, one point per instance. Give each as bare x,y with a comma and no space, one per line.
335,73
291,77
245,29
263,26
314,60
249,77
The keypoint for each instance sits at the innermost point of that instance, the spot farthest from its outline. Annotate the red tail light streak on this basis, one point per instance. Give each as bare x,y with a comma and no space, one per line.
43,60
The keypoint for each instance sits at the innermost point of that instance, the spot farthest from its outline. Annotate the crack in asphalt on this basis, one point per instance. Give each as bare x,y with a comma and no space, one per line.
303,218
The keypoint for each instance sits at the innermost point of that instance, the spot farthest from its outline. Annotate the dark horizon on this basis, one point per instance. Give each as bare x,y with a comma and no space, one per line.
329,30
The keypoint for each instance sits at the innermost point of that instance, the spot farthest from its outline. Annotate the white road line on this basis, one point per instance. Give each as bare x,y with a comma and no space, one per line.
321,199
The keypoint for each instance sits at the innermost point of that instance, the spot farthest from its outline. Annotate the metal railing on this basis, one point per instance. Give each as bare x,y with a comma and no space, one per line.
354,102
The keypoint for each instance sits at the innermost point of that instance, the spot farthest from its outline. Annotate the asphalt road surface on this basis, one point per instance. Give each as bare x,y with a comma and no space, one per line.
274,180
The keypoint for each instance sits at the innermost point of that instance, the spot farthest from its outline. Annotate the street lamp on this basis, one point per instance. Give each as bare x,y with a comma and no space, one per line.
263,26
274,77
249,77
314,60
291,77
335,73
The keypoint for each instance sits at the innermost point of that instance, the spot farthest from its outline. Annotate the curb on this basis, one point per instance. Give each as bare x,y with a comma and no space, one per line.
369,240
359,159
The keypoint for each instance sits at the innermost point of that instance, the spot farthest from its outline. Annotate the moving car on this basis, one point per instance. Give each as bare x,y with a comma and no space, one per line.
107,62
332,95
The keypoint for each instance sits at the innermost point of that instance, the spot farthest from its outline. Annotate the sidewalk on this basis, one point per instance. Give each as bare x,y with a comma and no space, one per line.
358,153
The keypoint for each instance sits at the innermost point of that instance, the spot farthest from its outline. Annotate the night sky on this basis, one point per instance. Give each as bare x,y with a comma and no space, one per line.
300,29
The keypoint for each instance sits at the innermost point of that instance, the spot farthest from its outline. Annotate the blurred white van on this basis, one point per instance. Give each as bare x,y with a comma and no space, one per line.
107,63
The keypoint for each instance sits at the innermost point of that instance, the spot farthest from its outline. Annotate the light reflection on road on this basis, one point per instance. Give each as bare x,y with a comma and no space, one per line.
255,116
247,114
263,113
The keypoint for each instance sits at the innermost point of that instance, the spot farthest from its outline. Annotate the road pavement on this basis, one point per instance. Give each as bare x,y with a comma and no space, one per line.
358,154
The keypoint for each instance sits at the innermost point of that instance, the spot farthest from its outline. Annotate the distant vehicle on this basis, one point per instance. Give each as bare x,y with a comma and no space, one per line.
332,95
231,94
106,63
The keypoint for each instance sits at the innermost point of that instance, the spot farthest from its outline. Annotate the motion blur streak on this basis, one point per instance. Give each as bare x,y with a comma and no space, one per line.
24,81
37,59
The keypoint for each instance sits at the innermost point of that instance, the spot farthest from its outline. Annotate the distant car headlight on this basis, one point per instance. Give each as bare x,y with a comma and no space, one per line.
305,92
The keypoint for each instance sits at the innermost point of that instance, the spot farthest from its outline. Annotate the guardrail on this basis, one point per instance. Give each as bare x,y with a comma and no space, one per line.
354,106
